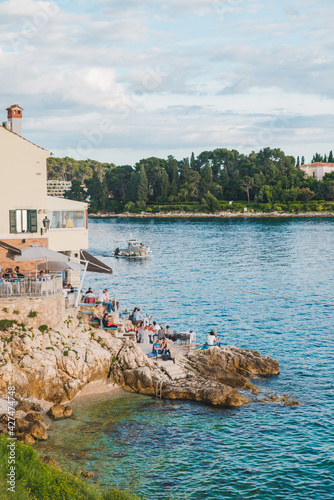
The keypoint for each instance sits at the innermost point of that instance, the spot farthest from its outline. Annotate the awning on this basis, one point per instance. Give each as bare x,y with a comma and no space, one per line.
94,265
10,248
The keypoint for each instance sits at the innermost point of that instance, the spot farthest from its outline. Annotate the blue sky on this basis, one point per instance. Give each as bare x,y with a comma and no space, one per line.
119,81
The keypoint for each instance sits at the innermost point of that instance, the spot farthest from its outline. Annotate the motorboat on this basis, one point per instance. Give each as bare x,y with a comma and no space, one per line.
134,249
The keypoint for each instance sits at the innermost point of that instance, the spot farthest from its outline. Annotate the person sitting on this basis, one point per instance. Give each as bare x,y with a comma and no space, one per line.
156,349
8,274
18,273
213,339
89,291
106,300
169,332
165,350
106,323
97,315
90,297
40,276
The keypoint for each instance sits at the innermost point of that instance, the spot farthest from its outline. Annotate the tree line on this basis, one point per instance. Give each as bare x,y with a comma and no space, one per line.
267,177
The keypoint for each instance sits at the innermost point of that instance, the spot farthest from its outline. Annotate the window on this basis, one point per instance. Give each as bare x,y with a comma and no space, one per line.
65,219
313,174
23,221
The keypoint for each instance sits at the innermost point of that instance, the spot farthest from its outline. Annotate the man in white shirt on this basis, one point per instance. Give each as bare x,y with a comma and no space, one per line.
213,339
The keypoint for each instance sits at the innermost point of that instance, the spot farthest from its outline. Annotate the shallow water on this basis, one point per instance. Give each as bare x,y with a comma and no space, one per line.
264,284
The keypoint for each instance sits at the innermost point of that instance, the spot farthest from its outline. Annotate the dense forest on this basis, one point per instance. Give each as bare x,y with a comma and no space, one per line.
267,180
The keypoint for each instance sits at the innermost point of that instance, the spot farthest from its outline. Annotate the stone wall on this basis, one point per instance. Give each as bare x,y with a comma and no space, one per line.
5,261
50,310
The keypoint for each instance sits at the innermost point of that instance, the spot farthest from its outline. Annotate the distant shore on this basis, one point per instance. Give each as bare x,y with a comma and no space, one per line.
218,215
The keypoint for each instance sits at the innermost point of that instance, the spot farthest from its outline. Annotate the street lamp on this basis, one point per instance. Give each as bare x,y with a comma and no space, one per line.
46,225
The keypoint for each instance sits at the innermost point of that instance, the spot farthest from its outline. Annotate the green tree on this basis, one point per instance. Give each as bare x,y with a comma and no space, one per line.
76,192
142,195
330,157
211,202
247,186
184,171
205,181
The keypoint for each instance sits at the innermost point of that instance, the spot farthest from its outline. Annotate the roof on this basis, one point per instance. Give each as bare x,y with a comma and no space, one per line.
318,164
57,204
23,138
14,106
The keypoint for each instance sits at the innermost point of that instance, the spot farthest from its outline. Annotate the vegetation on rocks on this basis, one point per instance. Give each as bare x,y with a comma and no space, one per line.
36,480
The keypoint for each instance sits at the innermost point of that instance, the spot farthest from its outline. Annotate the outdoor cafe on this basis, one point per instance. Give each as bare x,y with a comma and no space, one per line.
46,275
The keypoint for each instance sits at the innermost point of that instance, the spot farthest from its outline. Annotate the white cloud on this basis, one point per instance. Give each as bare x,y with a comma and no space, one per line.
166,73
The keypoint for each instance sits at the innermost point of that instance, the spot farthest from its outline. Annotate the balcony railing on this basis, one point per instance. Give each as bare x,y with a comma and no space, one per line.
31,287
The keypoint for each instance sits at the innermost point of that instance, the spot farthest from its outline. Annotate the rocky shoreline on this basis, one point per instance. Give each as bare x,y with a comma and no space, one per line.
109,215
49,369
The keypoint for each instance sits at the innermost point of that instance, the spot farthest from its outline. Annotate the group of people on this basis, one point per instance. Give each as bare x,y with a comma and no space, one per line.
11,275
103,298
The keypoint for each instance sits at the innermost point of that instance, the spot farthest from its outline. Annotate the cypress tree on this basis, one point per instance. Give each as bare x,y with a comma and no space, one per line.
142,195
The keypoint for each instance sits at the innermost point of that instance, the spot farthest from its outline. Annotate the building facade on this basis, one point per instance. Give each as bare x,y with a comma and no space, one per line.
25,206
58,188
317,170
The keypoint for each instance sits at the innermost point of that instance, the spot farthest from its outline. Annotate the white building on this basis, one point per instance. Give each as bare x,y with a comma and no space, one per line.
58,188
25,207
317,170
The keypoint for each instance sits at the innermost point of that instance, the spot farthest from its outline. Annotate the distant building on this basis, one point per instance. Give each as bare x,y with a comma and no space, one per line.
317,170
58,188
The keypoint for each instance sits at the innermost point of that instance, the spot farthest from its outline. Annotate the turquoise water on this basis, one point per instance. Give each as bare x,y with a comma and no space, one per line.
264,284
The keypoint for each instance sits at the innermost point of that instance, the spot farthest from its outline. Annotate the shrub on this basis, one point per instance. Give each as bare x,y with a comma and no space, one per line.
16,311
5,324
43,328
32,314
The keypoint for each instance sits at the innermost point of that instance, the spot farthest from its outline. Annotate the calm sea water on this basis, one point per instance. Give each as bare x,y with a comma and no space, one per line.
264,284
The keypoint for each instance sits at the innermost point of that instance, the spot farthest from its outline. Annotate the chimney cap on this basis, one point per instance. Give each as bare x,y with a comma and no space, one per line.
13,107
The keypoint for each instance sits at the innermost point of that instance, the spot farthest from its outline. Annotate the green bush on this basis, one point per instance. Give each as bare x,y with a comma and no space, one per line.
43,328
6,324
32,314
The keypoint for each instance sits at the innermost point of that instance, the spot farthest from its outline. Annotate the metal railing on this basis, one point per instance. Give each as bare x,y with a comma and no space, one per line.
31,287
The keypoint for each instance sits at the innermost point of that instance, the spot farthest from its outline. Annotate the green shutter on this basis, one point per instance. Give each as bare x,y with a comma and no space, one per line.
12,221
32,221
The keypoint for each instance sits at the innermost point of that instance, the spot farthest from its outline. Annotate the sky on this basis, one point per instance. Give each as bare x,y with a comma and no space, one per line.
118,81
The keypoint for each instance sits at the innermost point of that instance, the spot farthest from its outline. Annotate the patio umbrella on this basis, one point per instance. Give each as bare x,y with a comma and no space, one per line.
57,265
38,252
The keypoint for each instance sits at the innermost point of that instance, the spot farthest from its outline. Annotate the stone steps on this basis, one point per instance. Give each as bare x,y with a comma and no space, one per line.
174,371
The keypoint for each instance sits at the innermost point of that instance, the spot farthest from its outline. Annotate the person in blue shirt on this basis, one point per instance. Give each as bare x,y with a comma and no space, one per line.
157,349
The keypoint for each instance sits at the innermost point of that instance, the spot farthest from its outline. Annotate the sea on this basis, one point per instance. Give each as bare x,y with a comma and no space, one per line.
264,284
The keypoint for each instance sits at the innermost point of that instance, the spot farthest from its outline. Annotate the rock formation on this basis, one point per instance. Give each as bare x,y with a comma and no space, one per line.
55,365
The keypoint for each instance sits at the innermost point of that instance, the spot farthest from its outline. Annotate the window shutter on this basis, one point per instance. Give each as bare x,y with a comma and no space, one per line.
32,221
12,221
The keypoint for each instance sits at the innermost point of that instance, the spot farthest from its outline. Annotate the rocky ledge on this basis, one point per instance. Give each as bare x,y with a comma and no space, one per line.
56,365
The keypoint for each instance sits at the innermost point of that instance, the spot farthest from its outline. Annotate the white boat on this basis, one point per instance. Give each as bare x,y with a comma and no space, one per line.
134,249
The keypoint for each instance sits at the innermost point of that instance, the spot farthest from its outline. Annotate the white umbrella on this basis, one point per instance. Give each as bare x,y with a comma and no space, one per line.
38,252
56,265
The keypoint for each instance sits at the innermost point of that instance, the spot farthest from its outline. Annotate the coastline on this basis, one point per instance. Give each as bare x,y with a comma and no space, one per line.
218,215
